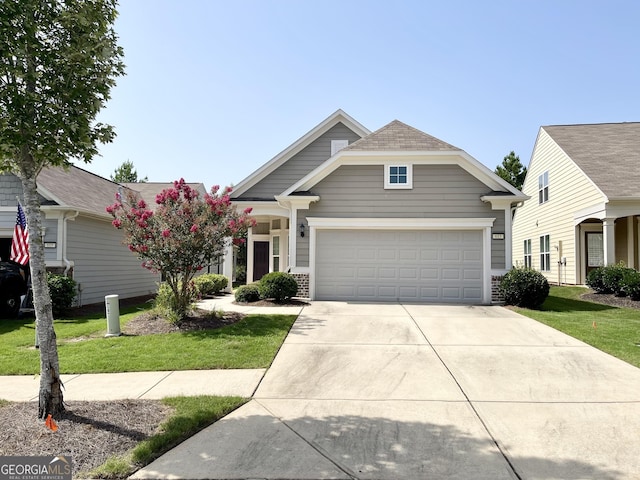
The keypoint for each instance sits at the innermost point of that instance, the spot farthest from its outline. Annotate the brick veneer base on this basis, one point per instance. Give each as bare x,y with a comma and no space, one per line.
496,297
303,284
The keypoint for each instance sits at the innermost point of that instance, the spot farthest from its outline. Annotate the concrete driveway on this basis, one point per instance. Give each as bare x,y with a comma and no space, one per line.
396,391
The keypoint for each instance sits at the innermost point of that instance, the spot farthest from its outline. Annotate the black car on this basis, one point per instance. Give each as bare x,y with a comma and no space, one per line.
12,286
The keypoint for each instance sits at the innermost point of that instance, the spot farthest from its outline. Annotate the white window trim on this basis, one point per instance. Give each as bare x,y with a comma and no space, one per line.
545,252
529,254
398,186
543,188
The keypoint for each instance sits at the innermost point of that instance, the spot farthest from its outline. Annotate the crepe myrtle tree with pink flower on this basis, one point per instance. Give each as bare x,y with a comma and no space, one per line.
181,235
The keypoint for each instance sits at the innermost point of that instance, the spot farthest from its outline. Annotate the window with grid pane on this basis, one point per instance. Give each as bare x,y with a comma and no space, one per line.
543,187
398,176
527,253
545,253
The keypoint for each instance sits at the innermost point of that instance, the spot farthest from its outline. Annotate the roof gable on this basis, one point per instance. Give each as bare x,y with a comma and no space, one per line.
608,153
338,116
399,140
398,136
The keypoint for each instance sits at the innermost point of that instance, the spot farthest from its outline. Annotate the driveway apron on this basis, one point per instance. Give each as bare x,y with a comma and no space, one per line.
391,391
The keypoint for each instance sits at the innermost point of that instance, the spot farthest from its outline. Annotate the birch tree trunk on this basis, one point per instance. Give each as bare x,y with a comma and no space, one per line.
50,397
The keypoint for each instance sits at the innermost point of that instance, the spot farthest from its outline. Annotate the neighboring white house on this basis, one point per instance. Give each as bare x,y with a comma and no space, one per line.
584,184
385,216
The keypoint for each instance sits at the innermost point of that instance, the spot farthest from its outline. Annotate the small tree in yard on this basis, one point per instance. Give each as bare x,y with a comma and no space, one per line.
182,235
58,62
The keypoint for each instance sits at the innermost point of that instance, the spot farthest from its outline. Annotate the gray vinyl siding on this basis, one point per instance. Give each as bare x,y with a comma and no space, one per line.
439,191
51,236
300,164
10,188
103,265
498,246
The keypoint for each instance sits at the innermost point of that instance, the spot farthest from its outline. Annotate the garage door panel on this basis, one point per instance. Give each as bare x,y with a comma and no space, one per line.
451,274
388,273
410,273
364,254
417,265
429,254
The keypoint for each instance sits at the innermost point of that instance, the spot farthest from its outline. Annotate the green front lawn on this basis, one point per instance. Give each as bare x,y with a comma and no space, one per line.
82,348
616,330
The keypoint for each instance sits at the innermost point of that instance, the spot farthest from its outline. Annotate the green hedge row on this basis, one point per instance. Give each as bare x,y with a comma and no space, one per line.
617,279
279,286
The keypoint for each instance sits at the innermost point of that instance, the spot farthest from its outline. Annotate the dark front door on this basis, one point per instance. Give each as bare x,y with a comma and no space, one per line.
595,250
260,260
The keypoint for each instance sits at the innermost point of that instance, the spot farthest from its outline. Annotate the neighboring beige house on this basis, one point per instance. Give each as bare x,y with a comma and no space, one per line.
393,215
584,184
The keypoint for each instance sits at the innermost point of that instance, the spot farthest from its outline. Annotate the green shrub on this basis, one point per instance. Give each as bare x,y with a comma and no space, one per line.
524,287
631,284
241,273
210,283
595,280
612,278
247,293
167,305
63,291
278,285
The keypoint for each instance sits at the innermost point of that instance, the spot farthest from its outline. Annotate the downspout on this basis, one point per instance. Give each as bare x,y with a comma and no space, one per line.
64,240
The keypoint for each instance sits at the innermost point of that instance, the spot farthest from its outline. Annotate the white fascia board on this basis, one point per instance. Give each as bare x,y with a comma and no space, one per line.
363,157
304,141
400,223
47,194
265,208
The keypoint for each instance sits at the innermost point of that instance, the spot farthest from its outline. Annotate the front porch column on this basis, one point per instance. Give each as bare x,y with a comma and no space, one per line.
631,257
293,229
228,264
609,239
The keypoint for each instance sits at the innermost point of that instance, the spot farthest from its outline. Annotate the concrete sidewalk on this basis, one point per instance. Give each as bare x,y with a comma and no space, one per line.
142,385
396,391
153,385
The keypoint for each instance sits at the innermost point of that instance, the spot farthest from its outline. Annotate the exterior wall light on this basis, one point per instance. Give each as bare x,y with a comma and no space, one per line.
302,230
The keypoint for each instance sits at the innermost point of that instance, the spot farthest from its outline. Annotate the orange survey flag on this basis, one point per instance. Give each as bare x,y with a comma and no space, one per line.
51,423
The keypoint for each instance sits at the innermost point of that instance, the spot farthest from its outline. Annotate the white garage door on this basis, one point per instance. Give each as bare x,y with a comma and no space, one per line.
386,265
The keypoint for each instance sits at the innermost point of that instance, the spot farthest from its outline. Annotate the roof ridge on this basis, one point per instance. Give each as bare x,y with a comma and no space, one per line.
385,138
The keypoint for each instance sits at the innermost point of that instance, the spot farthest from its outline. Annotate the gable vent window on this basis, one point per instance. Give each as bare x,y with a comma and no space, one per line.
543,188
337,145
398,176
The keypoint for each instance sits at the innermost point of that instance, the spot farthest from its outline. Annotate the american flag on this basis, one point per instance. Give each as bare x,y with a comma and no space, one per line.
20,242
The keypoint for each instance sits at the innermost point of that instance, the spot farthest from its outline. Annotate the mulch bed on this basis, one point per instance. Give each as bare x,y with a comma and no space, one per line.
88,432
611,300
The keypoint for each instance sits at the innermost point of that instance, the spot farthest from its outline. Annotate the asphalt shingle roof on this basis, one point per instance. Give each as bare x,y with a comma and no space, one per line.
398,136
609,153
79,189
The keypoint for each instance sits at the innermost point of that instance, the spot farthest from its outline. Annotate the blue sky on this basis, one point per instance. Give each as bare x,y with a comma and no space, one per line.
214,89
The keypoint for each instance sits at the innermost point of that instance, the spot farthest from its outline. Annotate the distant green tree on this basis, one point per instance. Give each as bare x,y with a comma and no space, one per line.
126,173
512,170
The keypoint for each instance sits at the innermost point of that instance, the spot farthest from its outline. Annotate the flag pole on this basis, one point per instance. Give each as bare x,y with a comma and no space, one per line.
28,279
